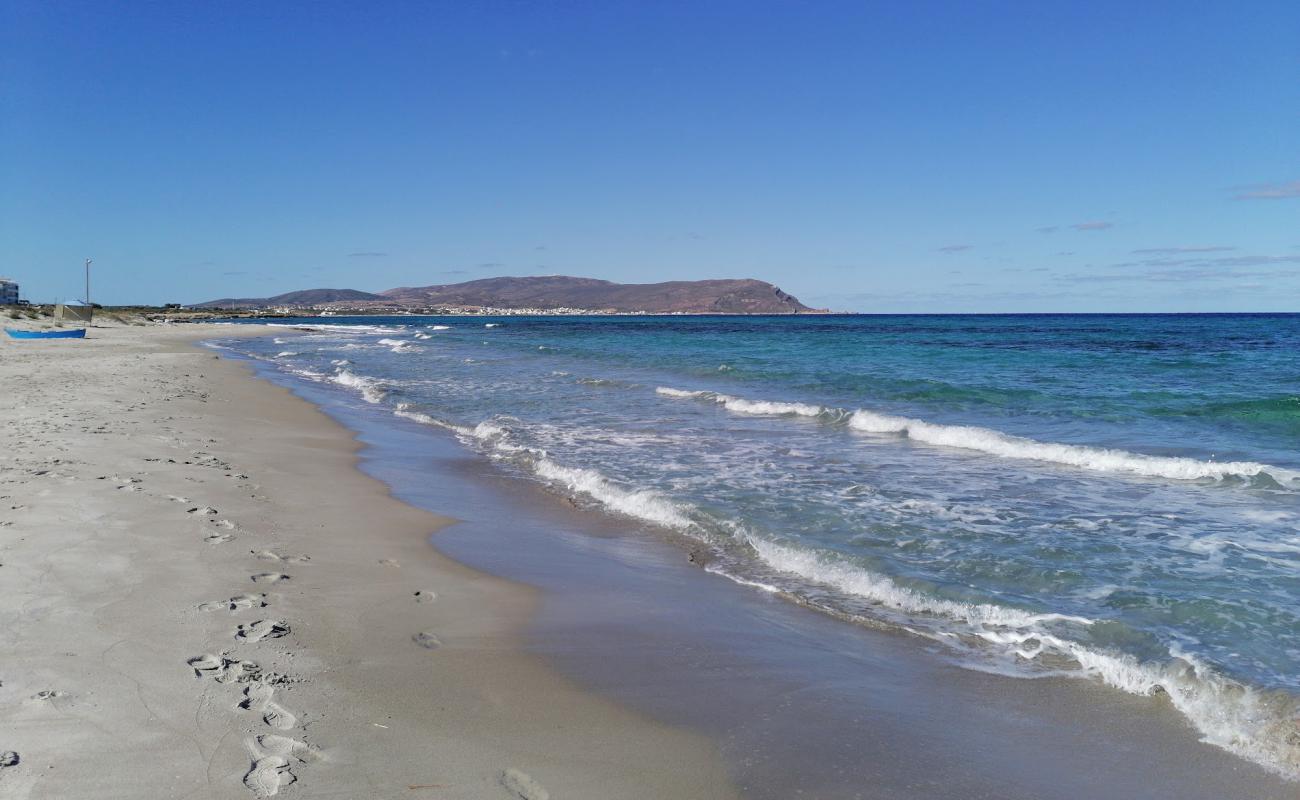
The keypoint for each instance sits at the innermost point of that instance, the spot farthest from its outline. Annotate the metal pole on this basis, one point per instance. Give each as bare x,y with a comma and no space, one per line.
88,281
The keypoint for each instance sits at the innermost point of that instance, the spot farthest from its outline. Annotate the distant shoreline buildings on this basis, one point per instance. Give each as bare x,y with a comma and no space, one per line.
8,292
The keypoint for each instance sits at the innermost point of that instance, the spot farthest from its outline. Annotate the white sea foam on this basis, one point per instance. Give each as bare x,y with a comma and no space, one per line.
883,590
284,354
371,389
1258,726
400,346
1249,723
491,324
740,405
1004,445
1100,459
349,328
643,504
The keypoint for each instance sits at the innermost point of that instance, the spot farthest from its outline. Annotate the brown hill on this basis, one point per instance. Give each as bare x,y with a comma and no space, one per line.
305,298
744,296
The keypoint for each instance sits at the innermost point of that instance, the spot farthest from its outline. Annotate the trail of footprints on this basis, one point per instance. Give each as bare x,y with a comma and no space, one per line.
272,756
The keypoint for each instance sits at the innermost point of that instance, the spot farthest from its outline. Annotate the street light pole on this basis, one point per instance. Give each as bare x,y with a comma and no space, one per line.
88,281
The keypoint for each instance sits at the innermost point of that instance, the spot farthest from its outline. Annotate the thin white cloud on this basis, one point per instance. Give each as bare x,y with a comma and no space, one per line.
1157,251
1268,191
1092,226
955,248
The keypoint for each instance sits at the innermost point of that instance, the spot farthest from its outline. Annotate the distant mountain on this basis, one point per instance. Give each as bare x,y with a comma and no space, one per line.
745,296
699,297
305,298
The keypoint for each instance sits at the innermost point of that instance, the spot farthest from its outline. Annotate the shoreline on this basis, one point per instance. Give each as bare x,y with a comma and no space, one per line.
155,496
595,611
586,670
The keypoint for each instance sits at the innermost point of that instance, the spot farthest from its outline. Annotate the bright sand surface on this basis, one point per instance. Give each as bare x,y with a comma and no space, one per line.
201,597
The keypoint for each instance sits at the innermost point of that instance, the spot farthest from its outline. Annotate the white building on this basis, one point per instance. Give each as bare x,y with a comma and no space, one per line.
8,292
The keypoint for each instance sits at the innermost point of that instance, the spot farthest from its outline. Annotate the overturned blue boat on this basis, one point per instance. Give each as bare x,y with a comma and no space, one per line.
70,333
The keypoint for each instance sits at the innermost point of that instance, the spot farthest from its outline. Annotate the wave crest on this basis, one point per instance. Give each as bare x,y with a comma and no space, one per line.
1005,445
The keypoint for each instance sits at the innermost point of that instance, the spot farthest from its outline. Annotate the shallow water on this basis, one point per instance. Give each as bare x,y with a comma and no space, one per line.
1112,497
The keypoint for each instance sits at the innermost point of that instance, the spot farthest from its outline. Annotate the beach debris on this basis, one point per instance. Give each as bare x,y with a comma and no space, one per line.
268,577
523,786
426,640
425,596
9,759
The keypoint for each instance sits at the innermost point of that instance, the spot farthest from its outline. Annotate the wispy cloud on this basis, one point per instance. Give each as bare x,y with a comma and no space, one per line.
955,248
367,254
1094,225
1221,261
1176,250
1163,270
235,272
490,265
1268,191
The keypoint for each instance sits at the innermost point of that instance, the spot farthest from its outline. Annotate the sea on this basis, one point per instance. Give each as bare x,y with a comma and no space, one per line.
1113,498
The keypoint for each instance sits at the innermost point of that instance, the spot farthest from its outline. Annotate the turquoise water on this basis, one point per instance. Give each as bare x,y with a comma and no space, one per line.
1109,497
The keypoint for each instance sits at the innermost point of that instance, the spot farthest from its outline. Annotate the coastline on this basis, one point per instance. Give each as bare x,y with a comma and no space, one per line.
799,702
146,483
601,664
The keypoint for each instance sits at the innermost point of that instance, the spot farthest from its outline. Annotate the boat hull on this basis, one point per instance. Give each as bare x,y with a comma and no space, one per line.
71,333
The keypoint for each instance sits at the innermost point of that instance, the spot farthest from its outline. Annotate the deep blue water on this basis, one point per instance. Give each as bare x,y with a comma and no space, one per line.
1114,497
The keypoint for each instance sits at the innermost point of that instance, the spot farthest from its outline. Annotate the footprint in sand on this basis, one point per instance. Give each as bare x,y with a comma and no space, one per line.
258,697
268,577
9,759
425,596
388,562
426,640
267,555
268,776
201,510
177,498
272,755
262,629
277,745
521,785
222,669
217,538
224,523
236,603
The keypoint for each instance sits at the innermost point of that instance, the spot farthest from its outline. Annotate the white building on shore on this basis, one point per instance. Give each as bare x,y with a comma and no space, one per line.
8,292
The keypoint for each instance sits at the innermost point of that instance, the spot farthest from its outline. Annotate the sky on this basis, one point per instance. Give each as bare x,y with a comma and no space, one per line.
864,156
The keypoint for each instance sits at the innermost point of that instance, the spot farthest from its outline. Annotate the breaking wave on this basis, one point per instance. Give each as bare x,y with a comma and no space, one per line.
371,389
1004,445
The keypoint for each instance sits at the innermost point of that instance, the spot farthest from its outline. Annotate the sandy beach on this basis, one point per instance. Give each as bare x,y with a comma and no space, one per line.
203,598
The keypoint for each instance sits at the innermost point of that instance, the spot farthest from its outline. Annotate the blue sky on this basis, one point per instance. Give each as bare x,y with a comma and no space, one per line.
927,156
